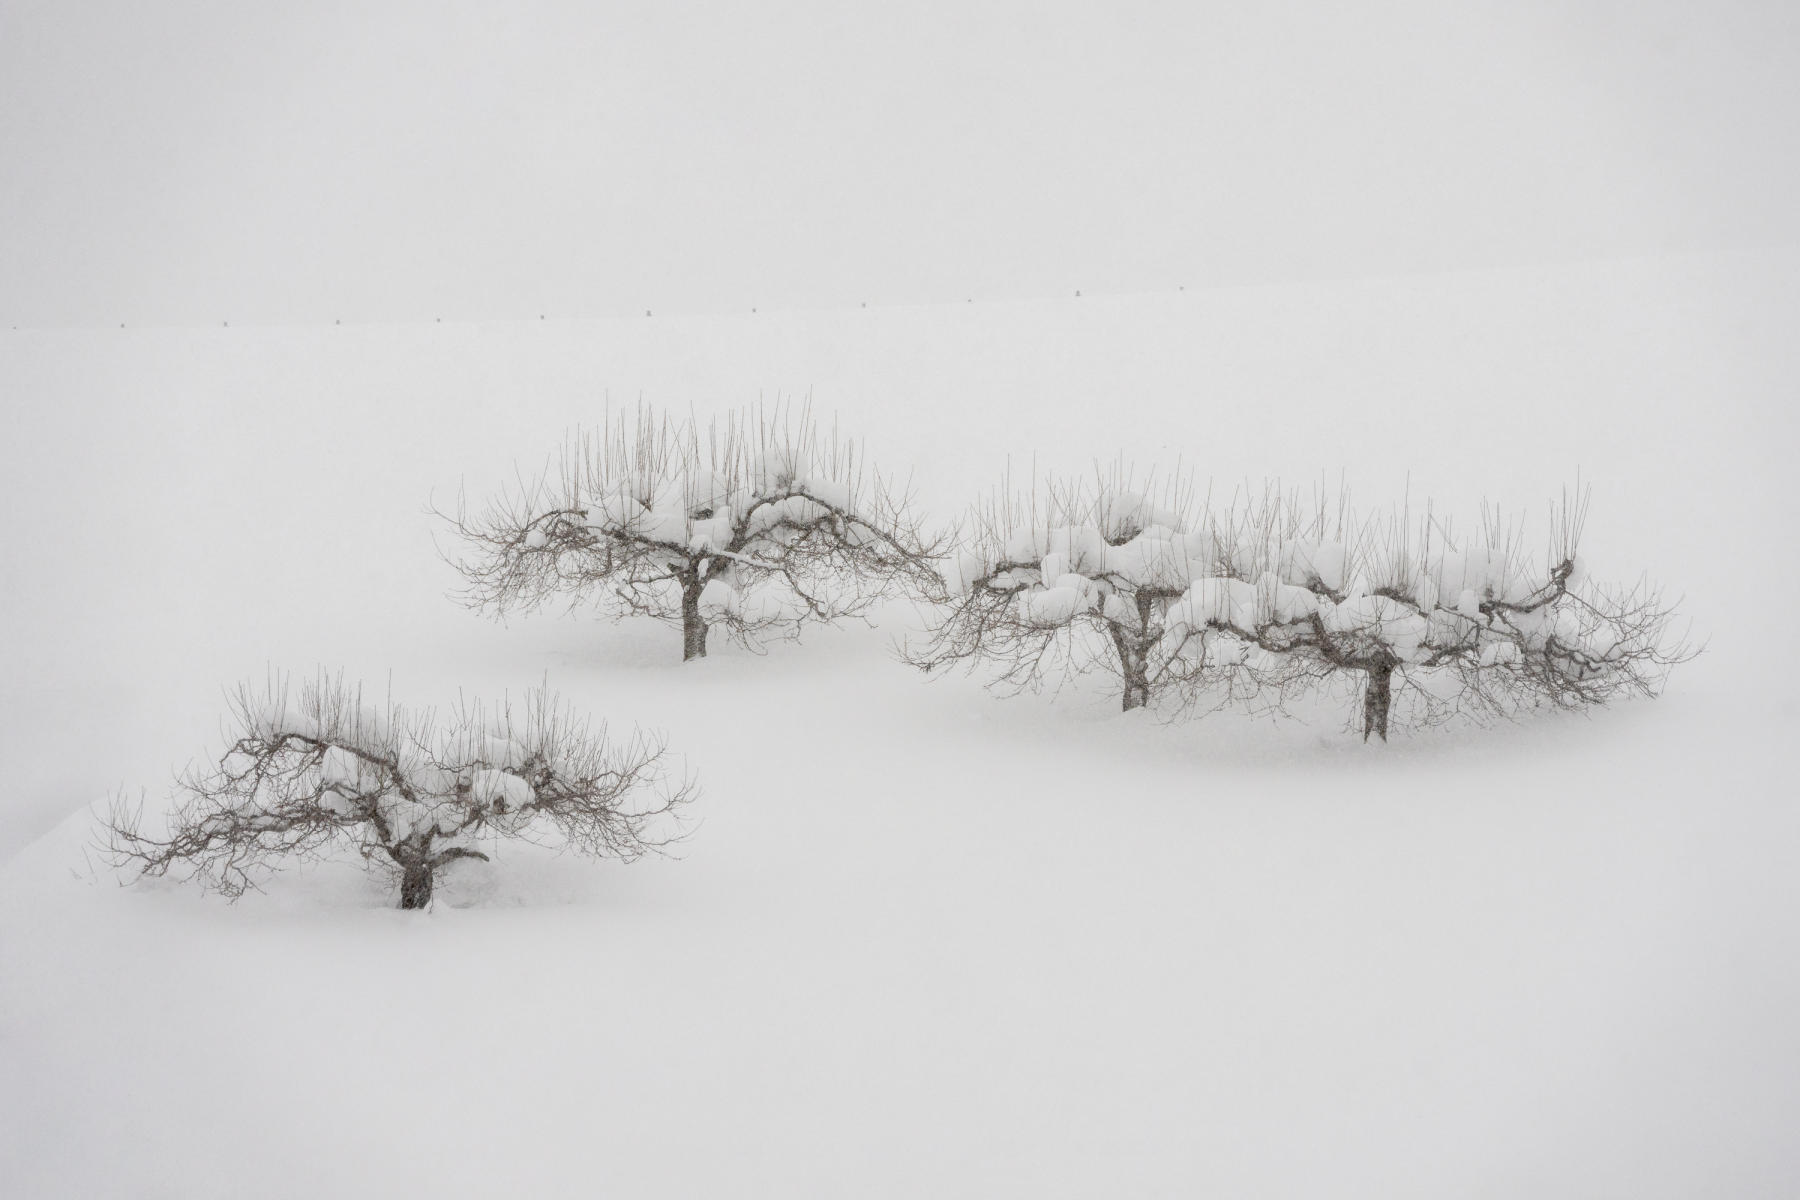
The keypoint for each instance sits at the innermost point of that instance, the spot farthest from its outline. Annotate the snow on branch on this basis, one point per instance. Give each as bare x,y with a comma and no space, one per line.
317,765
1272,593
1480,626
755,525
1077,574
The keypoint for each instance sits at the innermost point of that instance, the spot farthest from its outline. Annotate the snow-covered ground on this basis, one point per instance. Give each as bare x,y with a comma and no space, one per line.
923,941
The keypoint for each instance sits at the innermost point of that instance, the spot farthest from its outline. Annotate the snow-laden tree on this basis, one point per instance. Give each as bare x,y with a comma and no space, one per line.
1266,597
1074,575
413,792
754,526
1483,626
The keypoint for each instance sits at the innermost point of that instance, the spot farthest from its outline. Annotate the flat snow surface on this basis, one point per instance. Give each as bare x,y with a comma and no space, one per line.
923,941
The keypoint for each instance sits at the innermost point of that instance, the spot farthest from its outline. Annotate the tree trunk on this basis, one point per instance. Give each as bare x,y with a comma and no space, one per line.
1137,684
1377,695
415,885
1133,667
693,626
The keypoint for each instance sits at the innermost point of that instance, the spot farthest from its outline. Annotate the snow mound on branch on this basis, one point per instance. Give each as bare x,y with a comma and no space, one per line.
665,517
649,502
1489,574
832,492
1304,563
1056,605
344,777
793,511
646,511
1392,622
1290,603
1122,514
405,818
1025,544
504,752
698,509
1156,558
705,490
342,769
711,533
1119,611
1081,547
614,509
282,715
962,571
1216,600
1221,601
501,790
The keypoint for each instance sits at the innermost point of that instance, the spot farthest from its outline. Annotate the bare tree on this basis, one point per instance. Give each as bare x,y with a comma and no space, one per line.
755,527
1270,595
412,792
1484,629
1074,575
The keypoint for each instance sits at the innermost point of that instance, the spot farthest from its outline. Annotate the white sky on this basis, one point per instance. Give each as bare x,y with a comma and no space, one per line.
192,161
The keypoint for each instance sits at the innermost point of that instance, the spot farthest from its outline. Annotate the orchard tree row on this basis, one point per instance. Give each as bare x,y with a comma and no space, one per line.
762,524
766,523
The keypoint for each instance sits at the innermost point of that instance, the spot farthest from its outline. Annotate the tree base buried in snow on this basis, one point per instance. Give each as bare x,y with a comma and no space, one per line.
1197,608
754,527
414,793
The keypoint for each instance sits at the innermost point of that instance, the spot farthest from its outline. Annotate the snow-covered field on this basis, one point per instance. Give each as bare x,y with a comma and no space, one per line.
923,941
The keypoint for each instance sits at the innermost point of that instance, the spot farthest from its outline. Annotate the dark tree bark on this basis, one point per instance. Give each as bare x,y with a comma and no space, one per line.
1378,695
415,885
693,626
1132,666
411,793
1137,688
1137,680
